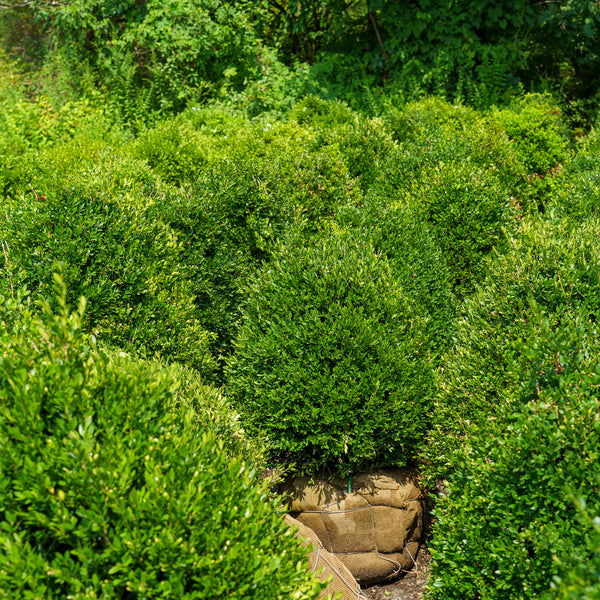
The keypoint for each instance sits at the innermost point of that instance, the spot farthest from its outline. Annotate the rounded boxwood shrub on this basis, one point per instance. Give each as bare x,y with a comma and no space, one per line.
553,263
323,114
469,210
363,144
433,130
330,362
125,261
112,487
399,233
535,128
173,150
510,527
539,140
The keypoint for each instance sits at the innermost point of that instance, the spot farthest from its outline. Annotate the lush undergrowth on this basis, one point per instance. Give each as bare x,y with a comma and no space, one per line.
317,288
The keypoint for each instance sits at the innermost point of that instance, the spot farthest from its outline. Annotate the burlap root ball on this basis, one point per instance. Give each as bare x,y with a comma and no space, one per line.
374,529
324,565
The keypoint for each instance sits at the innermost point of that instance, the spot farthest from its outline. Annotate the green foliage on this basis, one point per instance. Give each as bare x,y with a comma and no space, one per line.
176,153
320,113
431,131
155,57
564,47
576,193
29,124
509,524
328,355
479,50
230,218
417,263
274,88
111,486
552,263
535,128
231,221
470,211
148,59
363,144
226,227
114,252
582,581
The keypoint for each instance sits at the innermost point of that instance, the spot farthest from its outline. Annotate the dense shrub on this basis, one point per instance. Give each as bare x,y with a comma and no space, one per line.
535,127
364,145
177,153
539,138
576,193
127,263
361,142
432,131
111,486
470,211
329,359
509,526
417,262
320,113
552,263
431,118
235,137
582,581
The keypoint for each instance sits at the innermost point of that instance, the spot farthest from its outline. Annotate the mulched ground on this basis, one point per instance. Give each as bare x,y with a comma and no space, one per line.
409,587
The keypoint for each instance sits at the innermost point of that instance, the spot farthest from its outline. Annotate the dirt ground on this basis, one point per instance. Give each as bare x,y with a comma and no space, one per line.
409,587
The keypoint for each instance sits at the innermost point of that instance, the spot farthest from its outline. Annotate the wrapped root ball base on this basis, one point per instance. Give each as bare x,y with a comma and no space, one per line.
374,529
325,565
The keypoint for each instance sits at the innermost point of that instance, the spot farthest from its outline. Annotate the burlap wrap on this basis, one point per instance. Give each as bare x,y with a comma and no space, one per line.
375,529
325,564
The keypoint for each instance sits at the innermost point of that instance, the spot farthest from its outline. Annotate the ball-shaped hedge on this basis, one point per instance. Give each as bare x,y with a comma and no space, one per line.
551,264
516,423
511,526
329,359
110,488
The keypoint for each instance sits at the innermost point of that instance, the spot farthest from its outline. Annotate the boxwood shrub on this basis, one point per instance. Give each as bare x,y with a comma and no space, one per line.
112,487
540,142
537,132
469,210
330,361
510,526
125,261
553,263
576,192
582,581
398,232
433,130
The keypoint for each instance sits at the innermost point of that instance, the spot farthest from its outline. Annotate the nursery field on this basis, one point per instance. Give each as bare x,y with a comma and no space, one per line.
233,251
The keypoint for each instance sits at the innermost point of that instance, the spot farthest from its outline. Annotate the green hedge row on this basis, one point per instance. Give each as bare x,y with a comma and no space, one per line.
515,423
112,483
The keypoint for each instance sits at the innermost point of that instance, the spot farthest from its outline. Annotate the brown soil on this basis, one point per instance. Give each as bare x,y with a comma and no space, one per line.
409,587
